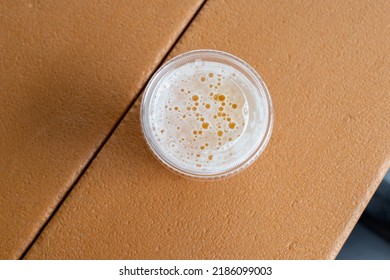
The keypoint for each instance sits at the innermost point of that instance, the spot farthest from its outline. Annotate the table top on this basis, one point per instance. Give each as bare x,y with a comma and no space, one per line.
78,180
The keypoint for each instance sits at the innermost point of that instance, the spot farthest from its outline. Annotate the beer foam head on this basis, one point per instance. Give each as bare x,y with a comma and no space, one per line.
204,116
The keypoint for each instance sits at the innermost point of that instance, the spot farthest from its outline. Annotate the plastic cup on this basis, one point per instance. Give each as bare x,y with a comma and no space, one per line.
206,114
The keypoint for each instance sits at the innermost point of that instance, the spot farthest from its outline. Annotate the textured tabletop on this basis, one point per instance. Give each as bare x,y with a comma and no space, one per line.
68,71
326,65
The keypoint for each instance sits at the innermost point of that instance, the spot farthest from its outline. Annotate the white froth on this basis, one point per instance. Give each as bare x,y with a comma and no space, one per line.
200,114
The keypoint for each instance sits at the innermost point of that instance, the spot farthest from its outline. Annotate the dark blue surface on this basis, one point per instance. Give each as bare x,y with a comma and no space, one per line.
369,239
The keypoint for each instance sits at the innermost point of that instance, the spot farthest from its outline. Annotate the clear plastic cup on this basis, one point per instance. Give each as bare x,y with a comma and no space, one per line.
206,114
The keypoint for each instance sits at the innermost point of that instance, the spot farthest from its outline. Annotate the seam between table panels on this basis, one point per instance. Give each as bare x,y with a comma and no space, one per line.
110,133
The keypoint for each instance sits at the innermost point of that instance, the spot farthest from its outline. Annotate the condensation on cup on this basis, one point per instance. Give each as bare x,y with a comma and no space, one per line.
206,114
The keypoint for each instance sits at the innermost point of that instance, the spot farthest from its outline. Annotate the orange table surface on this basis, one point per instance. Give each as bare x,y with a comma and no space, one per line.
326,65
68,72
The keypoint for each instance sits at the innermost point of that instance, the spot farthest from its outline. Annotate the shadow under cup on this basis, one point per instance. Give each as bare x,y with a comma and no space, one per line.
206,114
